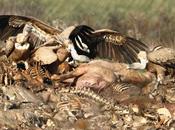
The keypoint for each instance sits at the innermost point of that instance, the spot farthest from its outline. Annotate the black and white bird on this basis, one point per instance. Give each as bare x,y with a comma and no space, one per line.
106,43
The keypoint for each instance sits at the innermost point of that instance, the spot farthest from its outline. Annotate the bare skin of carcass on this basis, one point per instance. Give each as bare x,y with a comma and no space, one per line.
99,74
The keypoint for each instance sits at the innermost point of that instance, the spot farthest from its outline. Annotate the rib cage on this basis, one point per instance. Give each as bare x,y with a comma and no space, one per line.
37,71
121,87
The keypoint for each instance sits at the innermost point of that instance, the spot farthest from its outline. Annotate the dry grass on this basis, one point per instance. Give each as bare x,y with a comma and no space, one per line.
148,20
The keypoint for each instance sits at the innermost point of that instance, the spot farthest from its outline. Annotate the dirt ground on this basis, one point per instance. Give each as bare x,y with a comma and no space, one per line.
30,104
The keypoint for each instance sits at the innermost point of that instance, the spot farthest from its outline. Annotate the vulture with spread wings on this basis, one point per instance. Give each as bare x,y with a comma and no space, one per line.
107,43
82,41
24,34
11,25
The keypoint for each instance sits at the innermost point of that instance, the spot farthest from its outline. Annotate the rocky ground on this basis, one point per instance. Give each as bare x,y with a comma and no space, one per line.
39,103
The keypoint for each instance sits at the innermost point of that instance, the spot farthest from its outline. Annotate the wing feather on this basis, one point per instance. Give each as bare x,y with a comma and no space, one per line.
139,45
128,47
6,29
11,25
107,43
84,32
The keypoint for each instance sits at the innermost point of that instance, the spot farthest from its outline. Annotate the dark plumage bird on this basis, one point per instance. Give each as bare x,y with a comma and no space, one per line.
11,25
107,43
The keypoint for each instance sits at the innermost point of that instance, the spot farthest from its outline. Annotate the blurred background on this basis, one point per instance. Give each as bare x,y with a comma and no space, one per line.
148,20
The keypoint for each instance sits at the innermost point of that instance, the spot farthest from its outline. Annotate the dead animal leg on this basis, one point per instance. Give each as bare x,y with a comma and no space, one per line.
68,75
160,79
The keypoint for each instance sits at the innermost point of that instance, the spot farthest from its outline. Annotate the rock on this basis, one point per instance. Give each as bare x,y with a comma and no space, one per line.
164,114
45,55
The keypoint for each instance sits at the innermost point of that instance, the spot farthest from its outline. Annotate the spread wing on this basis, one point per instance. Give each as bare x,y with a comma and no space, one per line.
109,44
81,32
11,25
163,56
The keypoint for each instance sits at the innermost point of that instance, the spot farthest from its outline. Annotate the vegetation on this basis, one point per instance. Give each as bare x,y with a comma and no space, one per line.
149,20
